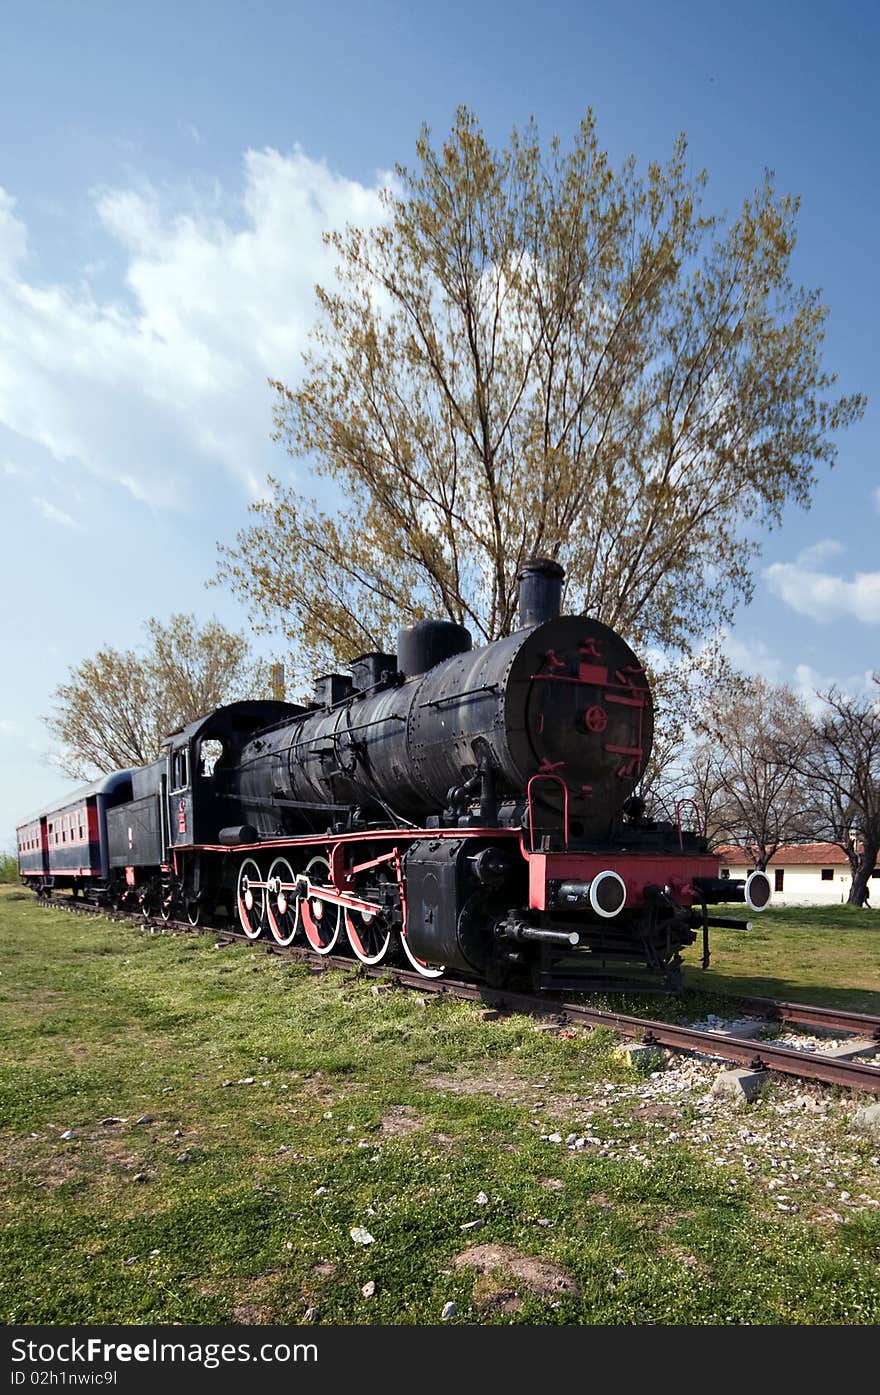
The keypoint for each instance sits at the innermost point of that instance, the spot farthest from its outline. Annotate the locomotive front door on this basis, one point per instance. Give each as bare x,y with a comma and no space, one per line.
180,802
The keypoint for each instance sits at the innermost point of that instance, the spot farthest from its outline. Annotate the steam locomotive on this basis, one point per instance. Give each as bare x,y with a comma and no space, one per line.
445,807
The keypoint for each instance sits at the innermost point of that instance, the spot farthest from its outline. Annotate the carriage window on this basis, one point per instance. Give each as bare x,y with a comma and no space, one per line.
209,753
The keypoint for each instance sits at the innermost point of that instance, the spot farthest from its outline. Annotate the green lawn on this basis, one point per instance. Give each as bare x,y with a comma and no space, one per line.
234,1202
824,955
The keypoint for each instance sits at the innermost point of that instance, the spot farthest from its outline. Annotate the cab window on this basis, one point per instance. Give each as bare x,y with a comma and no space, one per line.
210,752
179,769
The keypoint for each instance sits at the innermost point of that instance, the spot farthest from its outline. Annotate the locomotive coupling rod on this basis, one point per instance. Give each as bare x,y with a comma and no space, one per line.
515,930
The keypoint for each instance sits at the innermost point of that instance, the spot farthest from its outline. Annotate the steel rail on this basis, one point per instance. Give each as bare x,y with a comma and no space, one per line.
806,1015
757,1056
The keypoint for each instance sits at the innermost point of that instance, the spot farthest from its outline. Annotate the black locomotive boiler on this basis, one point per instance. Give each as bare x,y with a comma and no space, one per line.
451,807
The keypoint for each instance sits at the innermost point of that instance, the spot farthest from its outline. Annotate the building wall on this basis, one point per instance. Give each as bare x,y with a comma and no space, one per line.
803,885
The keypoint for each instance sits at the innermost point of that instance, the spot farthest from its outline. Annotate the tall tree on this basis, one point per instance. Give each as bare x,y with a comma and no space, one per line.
116,708
536,352
843,770
691,787
754,737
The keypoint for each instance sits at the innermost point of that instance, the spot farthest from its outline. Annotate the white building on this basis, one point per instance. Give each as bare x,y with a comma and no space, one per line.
802,874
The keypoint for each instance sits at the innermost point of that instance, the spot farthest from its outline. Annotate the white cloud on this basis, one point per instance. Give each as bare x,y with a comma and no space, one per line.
14,470
158,387
819,552
192,131
53,514
824,595
877,498
809,682
753,656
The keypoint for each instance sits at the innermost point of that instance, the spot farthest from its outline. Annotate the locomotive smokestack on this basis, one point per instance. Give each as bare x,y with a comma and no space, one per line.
540,591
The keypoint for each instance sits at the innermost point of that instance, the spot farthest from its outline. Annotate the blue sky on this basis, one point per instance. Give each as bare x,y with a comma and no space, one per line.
166,171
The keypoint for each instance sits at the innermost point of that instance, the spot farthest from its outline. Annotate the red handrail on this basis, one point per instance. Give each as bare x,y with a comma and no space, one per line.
557,780
682,804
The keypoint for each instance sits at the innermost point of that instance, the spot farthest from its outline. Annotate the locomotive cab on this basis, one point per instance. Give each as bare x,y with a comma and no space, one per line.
201,800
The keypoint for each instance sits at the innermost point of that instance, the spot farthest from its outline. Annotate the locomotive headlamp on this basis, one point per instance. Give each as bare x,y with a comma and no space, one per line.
757,891
607,894
604,894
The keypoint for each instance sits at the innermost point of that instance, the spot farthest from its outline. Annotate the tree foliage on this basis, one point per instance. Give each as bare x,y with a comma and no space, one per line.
539,353
116,708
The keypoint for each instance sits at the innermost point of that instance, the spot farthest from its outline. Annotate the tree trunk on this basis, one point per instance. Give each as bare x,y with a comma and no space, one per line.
860,887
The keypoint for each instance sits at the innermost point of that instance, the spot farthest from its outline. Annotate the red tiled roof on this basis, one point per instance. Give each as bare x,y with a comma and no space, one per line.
796,855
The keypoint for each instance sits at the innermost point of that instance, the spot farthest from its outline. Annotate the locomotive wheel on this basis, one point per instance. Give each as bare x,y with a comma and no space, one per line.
166,905
369,934
251,900
321,919
193,912
282,907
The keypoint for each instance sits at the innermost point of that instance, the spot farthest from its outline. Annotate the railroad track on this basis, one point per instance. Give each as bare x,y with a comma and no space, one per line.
853,1074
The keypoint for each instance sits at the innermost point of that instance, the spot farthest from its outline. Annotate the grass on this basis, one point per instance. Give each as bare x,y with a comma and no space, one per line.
824,955
371,1110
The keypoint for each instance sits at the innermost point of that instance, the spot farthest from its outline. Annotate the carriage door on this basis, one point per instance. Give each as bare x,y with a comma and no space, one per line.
180,804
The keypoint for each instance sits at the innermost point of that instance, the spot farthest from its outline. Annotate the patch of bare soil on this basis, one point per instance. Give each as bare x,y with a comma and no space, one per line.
250,1313
659,1109
259,1304
100,1159
685,1258
500,1083
400,1120
504,1273
503,1084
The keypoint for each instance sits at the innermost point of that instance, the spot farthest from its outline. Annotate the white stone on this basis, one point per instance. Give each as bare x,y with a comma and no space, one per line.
744,1086
866,1120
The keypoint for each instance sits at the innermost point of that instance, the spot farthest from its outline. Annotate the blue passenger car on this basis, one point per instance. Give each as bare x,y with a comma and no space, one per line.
65,844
